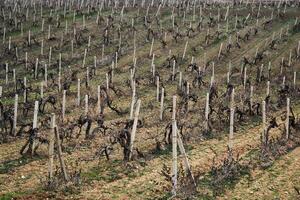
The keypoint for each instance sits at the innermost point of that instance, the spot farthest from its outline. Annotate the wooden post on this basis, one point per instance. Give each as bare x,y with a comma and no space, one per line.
245,78
50,53
107,82
102,54
42,90
251,98
295,78
49,32
180,80
151,48
87,76
228,78
174,148
34,125
15,115
235,24
1,90
206,111
185,48
78,92
112,72
152,64
72,48
51,147
173,71
162,103
14,77
63,105
269,71
25,90
283,81
134,127
42,47
43,22
220,51
264,122
61,161
99,98
133,99
298,49
261,71
232,105
46,75
4,35
26,60
86,109
157,88
83,21
281,66
187,93
290,58
89,42
185,159
153,70
35,114
6,73
84,58
213,73
17,54
36,68
287,125
59,81
29,38
230,143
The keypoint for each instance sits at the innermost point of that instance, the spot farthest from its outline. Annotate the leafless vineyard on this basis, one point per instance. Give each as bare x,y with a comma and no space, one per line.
158,99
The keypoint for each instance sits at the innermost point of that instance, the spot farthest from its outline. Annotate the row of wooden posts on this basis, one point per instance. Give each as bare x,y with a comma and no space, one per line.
176,140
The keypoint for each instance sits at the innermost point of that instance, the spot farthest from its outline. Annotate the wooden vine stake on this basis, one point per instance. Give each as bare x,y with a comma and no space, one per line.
78,92
46,75
298,50
99,99
26,60
287,125
230,143
15,115
268,88
133,100
34,125
151,48
107,82
157,88
264,122
51,147
61,161
42,90
25,90
162,103
220,51
134,127
6,73
185,159
86,109
206,111
174,148
295,78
